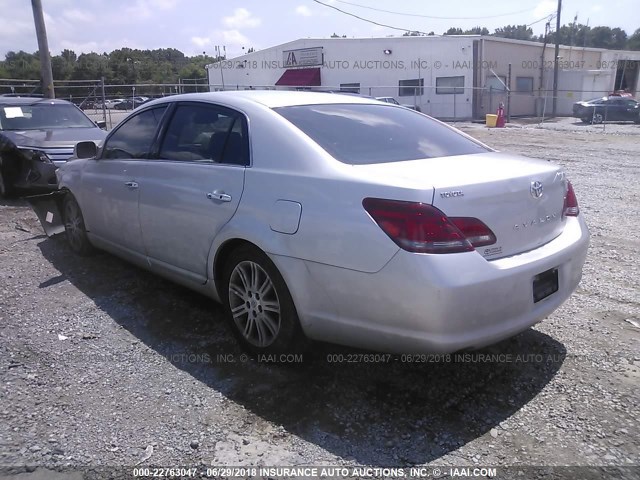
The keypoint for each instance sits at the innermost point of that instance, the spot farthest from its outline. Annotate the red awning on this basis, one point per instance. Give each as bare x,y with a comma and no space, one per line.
300,77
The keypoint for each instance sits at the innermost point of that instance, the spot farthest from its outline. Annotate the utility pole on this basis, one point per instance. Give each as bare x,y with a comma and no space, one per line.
220,60
555,61
43,48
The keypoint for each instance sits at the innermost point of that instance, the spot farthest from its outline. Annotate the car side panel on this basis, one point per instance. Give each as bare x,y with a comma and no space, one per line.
109,201
334,227
178,220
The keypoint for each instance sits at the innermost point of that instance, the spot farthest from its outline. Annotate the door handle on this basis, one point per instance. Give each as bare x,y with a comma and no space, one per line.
221,196
131,184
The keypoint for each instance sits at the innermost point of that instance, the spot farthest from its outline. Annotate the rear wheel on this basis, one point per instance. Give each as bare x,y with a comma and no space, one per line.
259,306
74,227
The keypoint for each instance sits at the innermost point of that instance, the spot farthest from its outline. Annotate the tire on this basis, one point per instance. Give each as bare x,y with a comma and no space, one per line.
259,307
597,119
74,228
6,190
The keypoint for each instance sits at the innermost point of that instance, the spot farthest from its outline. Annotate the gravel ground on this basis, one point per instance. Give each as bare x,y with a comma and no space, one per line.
103,364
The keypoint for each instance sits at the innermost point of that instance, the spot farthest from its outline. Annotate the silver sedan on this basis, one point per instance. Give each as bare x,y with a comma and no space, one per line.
328,217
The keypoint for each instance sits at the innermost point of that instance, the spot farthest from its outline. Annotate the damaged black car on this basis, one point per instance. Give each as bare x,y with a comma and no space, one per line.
36,136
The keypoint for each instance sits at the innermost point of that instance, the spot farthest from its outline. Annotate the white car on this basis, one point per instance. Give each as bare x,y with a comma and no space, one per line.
328,217
111,103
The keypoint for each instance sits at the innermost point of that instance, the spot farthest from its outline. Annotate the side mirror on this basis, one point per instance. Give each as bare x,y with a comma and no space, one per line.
101,124
85,150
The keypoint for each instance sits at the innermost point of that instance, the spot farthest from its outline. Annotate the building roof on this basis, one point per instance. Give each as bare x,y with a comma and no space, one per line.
431,38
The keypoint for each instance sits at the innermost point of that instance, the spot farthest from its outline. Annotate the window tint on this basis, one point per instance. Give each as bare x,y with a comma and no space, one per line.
133,139
367,134
206,133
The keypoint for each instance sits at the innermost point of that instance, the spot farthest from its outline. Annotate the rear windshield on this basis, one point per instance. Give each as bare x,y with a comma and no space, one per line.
367,134
42,116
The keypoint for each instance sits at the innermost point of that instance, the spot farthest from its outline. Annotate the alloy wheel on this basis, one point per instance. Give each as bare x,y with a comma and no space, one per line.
73,225
254,304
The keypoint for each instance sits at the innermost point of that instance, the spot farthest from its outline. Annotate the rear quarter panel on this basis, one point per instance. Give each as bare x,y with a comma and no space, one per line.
334,228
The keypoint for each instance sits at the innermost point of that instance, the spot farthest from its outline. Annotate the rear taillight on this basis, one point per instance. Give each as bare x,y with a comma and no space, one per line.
571,208
478,234
418,227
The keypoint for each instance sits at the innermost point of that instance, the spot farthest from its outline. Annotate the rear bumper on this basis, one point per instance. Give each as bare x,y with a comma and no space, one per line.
434,303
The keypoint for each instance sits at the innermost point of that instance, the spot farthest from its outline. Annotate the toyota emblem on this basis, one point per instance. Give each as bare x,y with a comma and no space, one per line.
536,189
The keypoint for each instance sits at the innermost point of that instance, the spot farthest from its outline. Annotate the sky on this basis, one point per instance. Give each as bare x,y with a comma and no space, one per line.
197,26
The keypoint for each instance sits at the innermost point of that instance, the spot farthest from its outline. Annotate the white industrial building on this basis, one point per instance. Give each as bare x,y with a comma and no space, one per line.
450,77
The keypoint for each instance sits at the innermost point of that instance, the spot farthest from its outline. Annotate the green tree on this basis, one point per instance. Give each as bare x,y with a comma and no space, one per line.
517,32
63,65
606,37
477,31
633,42
471,31
91,66
22,65
454,31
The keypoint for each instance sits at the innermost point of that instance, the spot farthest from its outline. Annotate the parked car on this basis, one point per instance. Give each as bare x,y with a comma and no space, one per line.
144,101
109,103
129,103
38,135
395,102
612,108
125,104
333,217
621,93
88,104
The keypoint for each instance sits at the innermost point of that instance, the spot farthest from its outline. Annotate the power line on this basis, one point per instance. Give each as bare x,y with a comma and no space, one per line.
546,17
367,20
406,29
430,16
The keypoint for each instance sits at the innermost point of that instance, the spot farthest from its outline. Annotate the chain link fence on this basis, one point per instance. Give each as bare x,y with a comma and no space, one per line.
454,103
101,101
111,103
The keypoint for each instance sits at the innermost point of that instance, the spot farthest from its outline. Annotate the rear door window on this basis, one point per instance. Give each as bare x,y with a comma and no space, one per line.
206,133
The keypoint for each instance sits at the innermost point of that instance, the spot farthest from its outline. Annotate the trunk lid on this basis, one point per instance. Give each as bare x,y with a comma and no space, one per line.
518,198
